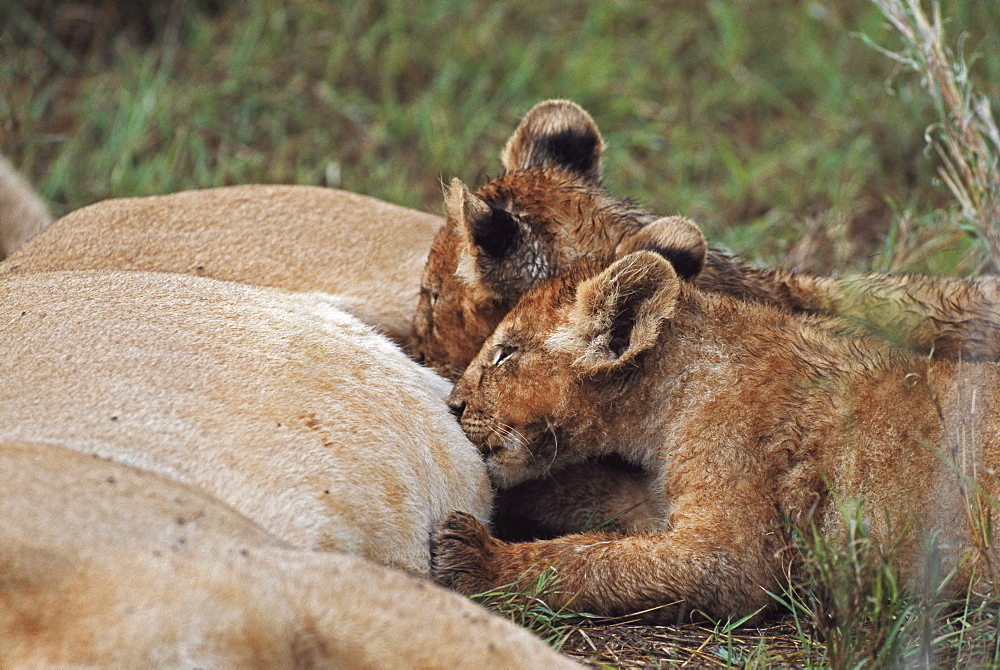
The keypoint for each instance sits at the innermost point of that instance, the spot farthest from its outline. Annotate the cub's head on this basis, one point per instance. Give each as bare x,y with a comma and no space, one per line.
547,388
544,215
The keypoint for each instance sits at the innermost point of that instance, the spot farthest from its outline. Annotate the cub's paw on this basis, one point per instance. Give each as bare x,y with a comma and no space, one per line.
462,554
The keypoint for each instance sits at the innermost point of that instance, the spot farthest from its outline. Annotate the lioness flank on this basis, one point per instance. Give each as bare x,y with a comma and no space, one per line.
749,420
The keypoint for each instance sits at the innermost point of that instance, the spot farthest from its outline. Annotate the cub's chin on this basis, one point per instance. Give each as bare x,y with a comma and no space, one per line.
505,473
511,466
508,472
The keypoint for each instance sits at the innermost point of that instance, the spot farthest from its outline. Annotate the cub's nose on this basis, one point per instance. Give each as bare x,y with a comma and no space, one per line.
457,408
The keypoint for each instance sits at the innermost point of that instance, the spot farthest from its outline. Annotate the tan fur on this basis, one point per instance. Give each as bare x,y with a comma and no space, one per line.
549,212
22,213
279,404
106,565
367,253
744,417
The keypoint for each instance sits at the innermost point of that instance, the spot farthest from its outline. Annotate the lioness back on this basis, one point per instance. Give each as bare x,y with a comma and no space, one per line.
288,409
368,253
103,564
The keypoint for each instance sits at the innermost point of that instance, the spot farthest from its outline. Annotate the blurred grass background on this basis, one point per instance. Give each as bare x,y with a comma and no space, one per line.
770,123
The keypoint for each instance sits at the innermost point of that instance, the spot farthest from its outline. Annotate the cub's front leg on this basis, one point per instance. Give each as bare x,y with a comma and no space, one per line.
693,567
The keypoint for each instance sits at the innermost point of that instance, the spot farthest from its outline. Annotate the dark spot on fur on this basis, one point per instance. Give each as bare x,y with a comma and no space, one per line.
181,521
111,480
200,268
686,264
244,552
570,149
496,233
327,492
114,418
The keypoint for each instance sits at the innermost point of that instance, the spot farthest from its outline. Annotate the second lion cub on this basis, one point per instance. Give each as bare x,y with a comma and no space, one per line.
747,419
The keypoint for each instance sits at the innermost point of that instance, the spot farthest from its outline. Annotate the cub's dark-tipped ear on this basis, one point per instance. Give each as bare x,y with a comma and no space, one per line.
675,238
619,313
489,234
556,133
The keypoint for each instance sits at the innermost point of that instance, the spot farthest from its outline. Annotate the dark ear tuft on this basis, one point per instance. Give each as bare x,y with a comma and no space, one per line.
495,232
572,150
688,265
675,238
556,133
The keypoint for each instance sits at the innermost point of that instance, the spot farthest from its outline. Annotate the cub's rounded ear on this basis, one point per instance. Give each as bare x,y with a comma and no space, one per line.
556,133
619,313
675,238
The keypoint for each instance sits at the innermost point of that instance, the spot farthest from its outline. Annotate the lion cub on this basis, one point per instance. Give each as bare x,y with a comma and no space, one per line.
746,418
549,212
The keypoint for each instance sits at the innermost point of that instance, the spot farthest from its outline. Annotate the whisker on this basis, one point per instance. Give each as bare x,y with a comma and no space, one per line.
522,441
555,451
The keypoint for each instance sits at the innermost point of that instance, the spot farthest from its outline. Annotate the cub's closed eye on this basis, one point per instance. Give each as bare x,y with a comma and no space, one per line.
503,352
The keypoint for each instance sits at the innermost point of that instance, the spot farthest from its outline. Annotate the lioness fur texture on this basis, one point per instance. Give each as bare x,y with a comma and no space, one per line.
295,413
22,213
747,419
548,211
366,253
105,565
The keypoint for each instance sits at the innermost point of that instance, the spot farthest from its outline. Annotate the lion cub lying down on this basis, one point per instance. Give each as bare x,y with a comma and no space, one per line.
743,415
103,564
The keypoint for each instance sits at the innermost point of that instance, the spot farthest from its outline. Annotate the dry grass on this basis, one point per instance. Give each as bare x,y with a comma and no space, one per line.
966,135
628,645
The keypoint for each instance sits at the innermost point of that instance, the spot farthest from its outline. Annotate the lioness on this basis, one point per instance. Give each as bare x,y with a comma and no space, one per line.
367,253
744,416
290,410
106,565
549,212
22,213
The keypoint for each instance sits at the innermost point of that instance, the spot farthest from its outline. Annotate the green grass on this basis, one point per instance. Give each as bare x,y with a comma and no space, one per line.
793,131
771,124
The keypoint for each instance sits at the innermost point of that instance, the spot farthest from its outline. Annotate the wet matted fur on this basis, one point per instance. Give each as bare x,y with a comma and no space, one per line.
548,211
